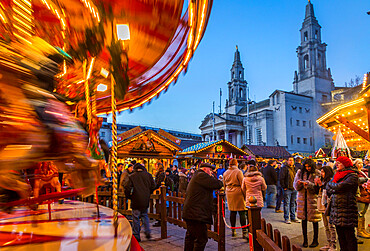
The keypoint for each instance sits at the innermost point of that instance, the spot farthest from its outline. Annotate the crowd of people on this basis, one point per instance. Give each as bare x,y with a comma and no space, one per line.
338,193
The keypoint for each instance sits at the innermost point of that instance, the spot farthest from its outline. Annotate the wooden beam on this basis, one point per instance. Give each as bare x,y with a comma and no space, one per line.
355,128
266,242
368,116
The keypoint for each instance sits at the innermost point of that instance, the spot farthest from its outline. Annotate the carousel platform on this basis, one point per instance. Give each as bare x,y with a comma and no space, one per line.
73,226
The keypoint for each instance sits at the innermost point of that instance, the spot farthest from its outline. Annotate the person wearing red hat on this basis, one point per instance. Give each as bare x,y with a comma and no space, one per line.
342,190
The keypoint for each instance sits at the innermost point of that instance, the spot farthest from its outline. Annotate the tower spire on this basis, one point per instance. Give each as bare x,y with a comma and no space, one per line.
309,10
237,55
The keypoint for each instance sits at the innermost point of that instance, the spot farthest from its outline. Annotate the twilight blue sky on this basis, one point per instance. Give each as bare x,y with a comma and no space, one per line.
267,34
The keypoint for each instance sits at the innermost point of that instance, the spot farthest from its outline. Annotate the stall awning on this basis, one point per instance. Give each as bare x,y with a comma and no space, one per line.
219,149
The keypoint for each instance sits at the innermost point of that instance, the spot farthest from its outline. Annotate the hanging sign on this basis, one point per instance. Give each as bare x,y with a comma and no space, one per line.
218,149
169,136
129,133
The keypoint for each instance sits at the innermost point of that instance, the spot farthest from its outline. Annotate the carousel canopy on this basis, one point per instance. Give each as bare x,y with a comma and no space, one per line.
163,35
352,118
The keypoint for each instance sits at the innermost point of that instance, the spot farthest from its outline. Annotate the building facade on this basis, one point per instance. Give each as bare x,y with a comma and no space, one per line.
285,118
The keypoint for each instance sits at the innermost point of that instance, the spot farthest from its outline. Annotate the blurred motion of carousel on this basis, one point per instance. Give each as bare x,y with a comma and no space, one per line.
63,63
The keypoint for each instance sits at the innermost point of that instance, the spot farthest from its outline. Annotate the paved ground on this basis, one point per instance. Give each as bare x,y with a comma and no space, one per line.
175,240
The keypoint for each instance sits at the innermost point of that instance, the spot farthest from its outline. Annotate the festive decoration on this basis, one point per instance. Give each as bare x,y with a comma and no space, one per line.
340,147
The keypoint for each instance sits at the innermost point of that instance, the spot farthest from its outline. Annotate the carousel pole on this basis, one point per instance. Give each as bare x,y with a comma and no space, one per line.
87,94
114,157
96,198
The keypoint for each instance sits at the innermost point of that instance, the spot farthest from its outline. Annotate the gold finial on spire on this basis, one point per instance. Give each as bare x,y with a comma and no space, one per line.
309,1
236,47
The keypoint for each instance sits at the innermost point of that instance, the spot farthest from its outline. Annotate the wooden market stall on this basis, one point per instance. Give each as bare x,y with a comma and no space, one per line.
352,119
216,152
148,146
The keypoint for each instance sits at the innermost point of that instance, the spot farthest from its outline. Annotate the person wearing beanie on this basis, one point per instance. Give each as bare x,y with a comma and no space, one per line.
342,190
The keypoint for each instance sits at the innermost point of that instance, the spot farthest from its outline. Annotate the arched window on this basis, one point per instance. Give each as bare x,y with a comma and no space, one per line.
319,60
240,74
232,93
305,62
241,93
305,36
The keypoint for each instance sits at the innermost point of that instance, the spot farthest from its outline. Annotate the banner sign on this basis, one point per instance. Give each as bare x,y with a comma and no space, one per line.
169,136
129,133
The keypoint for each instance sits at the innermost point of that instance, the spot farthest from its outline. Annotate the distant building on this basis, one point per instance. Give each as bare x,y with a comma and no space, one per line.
285,118
187,139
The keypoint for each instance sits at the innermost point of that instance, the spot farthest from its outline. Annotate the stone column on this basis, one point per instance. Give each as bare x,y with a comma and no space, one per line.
217,135
238,139
227,135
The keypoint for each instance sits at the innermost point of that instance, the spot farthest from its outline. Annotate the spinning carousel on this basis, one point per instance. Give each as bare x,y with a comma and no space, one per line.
63,63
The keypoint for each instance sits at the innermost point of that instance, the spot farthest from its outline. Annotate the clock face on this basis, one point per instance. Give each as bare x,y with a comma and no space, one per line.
219,148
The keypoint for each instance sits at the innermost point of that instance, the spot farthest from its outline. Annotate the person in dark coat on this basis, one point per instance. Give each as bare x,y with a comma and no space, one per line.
287,174
175,178
183,180
342,191
198,207
270,177
280,191
139,187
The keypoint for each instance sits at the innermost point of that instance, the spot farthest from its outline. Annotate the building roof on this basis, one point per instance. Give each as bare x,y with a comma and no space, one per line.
188,143
256,106
147,144
268,151
205,145
199,146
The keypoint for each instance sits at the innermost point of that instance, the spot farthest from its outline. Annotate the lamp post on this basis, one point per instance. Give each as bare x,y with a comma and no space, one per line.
123,33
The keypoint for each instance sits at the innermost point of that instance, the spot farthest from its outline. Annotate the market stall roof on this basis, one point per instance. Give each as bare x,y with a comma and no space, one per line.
267,151
218,149
303,155
323,152
147,144
352,118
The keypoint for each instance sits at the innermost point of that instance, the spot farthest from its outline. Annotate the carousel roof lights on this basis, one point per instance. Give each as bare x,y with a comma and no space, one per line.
24,8
364,81
340,107
199,34
92,8
90,68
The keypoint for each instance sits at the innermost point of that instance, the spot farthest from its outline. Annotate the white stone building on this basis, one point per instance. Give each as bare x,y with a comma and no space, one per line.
286,118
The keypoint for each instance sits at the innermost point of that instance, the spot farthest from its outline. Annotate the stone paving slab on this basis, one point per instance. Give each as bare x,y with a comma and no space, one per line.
176,235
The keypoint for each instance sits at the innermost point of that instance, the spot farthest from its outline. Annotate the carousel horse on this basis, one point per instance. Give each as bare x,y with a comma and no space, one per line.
45,174
34,125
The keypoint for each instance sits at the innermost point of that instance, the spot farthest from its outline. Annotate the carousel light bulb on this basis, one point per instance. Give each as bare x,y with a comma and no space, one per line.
102,88
104,72
123,32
